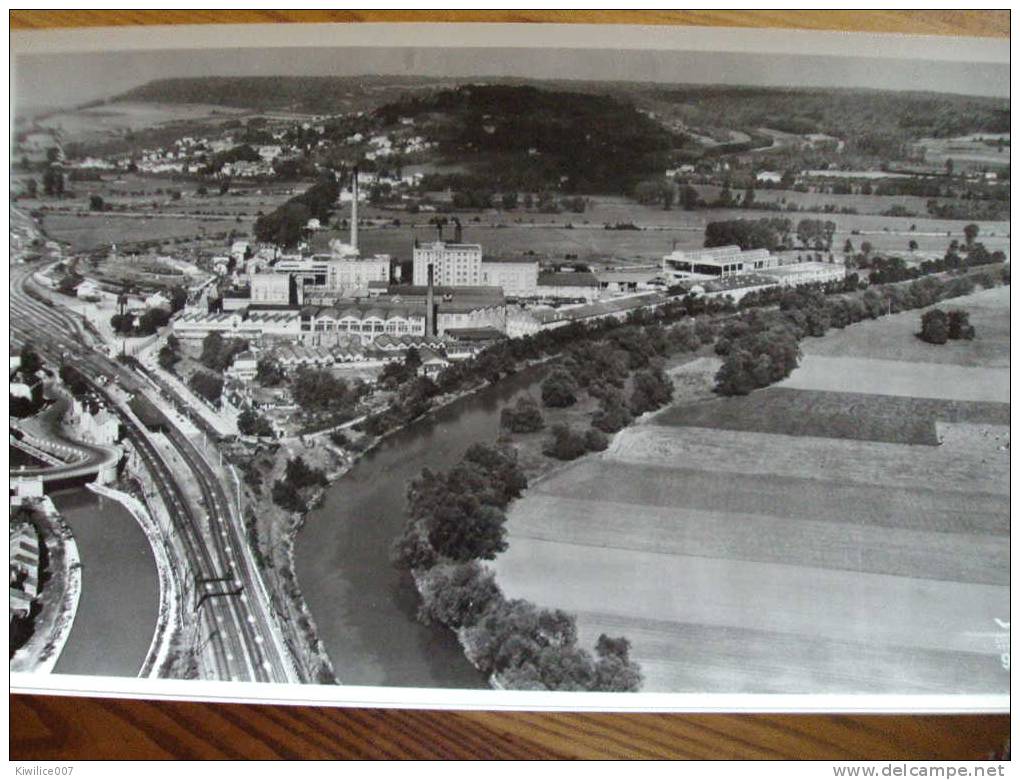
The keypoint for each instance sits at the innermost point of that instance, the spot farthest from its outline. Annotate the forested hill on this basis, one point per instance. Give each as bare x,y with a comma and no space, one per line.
523,137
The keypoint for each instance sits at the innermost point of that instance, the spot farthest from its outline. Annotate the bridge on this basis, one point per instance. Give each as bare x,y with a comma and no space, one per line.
67,462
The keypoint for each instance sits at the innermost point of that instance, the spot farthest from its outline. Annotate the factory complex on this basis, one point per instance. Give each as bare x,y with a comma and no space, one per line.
458,300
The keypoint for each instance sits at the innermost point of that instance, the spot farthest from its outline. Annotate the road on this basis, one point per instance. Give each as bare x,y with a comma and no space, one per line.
238,635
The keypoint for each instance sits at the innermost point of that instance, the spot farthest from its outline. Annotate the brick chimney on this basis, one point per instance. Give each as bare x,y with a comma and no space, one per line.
354,209
430,305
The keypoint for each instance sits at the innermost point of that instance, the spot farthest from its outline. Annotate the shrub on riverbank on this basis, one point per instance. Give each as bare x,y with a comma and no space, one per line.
458,514
525,417
455,519
559,390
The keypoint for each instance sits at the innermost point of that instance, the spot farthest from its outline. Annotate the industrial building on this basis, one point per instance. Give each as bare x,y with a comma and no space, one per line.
453,264
518,276
702,265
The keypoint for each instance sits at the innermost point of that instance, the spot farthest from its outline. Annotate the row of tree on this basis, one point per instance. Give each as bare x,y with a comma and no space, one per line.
521,646
455,520
761,347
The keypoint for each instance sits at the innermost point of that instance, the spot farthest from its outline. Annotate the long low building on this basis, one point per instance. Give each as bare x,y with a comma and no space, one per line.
527,321
703,265
256,326
325,325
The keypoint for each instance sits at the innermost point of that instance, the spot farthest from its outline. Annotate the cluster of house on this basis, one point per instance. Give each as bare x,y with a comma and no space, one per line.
93,422
24,568
383,146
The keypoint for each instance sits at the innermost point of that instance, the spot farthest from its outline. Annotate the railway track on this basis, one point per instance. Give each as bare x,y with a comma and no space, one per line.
238,628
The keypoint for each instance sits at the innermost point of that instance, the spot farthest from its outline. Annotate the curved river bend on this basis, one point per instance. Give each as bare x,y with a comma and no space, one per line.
116,616
364,608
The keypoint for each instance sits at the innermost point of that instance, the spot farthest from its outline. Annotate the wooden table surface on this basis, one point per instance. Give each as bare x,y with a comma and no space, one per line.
65,728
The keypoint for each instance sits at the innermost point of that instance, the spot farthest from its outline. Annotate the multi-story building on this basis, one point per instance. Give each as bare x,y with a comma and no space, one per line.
270,288
517,276
454,265
327,278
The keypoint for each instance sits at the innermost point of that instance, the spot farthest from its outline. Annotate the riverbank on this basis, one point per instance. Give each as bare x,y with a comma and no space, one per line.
59,596
272,532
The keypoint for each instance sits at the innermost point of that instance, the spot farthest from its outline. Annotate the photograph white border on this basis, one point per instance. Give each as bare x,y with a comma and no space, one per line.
891,46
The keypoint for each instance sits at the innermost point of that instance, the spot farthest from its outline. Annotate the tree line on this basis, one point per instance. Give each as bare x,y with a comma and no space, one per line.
456,520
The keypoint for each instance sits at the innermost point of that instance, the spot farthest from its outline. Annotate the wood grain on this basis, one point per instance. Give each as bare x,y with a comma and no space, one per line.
980,23
77,728
61,728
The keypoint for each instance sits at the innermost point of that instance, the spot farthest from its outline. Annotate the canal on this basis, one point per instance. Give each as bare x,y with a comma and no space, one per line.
364,608
117,611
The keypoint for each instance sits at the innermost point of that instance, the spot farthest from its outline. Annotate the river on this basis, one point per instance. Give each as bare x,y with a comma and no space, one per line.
364,608
117,611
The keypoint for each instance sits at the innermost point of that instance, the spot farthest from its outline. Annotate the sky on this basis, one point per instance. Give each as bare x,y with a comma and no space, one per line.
66,80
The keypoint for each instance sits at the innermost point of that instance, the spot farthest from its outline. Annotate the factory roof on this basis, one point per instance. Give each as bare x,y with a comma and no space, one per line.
597,309
475,334
637,275
793,269
377,307
568,279
520,259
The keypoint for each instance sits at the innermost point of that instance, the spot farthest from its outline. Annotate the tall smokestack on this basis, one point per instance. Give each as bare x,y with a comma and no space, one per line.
354,209
430,305
458,235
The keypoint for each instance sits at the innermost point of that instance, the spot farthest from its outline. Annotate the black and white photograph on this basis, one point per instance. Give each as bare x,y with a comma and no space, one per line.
511,366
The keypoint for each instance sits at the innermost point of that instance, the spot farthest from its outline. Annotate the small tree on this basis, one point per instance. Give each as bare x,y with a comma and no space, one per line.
595,440
525,417
935,327
559,390
958,325
268,373
970,232
564,443
207,385
251,423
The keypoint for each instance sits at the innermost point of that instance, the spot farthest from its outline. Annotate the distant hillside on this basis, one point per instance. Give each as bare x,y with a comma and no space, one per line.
301,94
522,137
872,122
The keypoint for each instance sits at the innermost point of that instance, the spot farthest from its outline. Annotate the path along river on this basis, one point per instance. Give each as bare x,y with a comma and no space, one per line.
364,608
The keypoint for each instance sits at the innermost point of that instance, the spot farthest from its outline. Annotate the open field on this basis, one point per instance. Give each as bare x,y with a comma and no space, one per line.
968,149
91,231
837,415
99,122
900,378
893,337
805,538
880,583
865,463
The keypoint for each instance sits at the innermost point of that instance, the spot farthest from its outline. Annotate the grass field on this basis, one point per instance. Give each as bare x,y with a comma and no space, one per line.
795,540
838,415
900,378
87,232
100,122
892,338
837,547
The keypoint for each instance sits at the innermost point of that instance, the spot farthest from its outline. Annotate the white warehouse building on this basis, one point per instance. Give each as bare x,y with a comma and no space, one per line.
715,263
